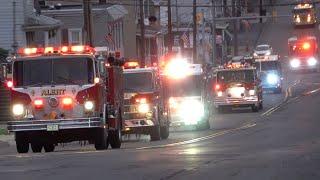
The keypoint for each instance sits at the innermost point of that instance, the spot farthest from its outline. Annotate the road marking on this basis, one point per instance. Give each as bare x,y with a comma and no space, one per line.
246,126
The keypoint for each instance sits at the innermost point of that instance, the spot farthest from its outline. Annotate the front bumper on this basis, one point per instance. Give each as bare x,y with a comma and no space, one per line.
231,101
54,125
305,67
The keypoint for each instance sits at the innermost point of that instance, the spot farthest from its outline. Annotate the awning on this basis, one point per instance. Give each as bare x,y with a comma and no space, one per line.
41,22
117,11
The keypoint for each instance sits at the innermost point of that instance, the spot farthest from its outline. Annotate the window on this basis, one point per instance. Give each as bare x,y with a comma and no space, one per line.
75,36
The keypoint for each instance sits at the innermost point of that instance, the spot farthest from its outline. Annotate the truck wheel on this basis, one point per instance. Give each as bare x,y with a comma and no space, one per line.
21,143
36,147
48,147
254,108
155,133
164,132
101,139
114,138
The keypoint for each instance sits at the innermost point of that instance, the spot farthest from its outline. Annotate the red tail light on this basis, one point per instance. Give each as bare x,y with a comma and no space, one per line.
141,100
38,103
9,84
67,102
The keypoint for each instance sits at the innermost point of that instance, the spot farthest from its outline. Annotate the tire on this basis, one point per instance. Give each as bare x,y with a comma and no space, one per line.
164,132
254,108
101,139
49,148
155,133
36,147
22,144
114,138
260,105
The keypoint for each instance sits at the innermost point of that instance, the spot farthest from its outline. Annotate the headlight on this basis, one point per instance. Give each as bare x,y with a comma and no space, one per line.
272,79
219,93
312,61
268,53
298,20
143,108
191,111
88,105
255,54
252,92
295,63
18,109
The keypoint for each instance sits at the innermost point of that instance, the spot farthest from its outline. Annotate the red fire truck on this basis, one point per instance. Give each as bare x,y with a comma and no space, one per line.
303,53
146,107
64,94
237,85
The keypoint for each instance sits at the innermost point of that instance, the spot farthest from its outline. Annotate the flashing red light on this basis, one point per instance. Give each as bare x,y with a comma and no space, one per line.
96,80
64,49
141,100
38,103
131,64
217,87
48,50
9,84
306,45
67,102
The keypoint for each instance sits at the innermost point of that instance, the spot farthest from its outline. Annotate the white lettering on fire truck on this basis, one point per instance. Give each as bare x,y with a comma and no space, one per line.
53,92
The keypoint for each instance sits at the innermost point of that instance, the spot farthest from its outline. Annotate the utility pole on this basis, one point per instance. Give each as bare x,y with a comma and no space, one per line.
260,10
14,28
169,28
87,22
195,59
142,30
214,55
235,29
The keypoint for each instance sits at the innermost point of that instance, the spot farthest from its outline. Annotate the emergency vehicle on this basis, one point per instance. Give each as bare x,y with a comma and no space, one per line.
237,85
270,73
304,14
146,107
189,104
64,94
303,53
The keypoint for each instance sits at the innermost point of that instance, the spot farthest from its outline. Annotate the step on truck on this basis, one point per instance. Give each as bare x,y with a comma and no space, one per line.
65,94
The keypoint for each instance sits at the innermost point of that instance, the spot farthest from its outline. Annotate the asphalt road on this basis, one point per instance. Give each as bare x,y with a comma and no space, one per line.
281,142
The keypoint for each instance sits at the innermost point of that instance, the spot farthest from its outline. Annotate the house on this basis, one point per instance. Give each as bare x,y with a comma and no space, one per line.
20,24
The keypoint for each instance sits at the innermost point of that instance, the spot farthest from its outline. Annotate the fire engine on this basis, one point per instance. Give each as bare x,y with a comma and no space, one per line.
304,14
237,85
188,99
270,73
303,53
146,107
64,94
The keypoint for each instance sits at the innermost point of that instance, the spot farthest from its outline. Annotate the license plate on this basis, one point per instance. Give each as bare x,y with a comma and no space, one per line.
52,127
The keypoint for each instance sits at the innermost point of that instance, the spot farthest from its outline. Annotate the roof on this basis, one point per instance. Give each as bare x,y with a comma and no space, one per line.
115,11
303,6
41,22
268,58
139,70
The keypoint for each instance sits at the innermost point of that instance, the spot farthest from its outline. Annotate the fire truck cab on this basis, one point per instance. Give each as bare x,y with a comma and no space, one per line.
188,97
237,85
64,94
270,73
303,53
146,108
304,14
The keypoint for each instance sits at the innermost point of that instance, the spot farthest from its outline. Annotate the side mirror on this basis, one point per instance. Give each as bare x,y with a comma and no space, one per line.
3,72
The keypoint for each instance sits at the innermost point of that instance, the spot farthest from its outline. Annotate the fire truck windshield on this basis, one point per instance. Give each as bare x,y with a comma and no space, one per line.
235,76
189,86
138,82
302,11
269,65
53,71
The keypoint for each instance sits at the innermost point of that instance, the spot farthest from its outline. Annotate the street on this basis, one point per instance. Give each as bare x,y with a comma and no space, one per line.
280,142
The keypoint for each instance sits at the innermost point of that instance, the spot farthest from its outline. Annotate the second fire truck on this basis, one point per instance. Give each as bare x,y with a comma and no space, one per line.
237,85
304,14
64,94
146,107
303,53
